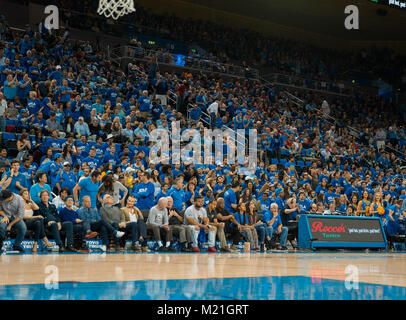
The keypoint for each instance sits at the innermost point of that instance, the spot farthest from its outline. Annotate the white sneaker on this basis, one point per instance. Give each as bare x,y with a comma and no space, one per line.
119,234
103,248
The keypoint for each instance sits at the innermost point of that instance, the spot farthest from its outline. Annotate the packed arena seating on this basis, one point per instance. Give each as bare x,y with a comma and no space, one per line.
232,45
73,119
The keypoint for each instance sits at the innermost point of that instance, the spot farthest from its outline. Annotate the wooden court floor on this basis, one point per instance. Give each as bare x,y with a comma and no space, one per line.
374,268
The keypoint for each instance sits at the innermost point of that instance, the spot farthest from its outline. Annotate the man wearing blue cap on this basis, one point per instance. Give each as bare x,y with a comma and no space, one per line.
65,178
24,119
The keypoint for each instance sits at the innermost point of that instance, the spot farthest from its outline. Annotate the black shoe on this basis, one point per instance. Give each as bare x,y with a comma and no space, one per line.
1,244
162,249
283,248
171,249
70,249
262,249
18,248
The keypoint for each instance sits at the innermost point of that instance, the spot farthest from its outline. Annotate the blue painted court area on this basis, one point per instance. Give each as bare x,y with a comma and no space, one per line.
257,288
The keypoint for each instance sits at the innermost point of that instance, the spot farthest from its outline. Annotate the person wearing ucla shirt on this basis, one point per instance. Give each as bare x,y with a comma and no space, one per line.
112,157
145,103
265,202
304,203
92,161
100,148
33,104
178,194
144,192
330,195
65,178
56,75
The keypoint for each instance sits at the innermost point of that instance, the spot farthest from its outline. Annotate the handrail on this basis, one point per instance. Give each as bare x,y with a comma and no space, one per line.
345,88
300,102
351,129
190,63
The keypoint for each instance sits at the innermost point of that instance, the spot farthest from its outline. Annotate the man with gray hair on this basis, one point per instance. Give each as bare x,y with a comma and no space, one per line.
158,222
112,215
12,210
144,104
81,128
273,222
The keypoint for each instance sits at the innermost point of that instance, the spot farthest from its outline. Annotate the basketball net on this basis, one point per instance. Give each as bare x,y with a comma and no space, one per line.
115,8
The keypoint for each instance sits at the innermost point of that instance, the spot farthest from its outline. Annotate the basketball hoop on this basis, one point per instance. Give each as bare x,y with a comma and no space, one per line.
115,8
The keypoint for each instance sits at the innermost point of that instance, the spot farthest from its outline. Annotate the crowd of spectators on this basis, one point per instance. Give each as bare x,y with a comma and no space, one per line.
241,46
81,128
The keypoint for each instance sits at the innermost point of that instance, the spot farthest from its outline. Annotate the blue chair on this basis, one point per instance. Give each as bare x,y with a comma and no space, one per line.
283,162
300,164
274,161
308,163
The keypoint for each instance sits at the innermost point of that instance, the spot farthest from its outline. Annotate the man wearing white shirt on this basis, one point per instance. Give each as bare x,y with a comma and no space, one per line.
196,218
213,111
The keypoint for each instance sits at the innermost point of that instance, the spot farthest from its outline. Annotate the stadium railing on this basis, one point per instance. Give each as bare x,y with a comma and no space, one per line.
340,88
186,62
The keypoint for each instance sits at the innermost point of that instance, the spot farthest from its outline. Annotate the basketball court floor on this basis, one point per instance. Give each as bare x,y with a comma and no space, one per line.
204,276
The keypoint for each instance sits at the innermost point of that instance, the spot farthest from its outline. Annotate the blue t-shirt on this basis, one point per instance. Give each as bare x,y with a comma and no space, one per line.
268,217
230,198
88,188
178,197
19,178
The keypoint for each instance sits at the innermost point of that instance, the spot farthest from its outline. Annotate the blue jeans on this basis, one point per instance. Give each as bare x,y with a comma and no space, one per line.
21,230
195,237
262,232
284,234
